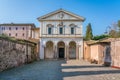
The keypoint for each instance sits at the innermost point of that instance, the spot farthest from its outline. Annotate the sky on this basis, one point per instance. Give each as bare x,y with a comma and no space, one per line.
100,13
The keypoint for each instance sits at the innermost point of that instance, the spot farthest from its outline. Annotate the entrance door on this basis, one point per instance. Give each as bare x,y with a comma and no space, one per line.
61,52
107,58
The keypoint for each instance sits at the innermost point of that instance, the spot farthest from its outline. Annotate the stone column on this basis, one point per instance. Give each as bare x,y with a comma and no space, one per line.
67,52
41,52
44,52
55,52
77,52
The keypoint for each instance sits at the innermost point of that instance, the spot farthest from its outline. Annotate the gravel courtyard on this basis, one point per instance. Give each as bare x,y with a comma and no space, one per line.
61,70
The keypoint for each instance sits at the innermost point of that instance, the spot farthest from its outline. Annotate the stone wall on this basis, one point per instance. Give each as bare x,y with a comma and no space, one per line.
95,52
87,54
115,52
15,53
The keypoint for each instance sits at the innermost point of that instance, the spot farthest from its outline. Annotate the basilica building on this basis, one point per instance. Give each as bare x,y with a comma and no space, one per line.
61,35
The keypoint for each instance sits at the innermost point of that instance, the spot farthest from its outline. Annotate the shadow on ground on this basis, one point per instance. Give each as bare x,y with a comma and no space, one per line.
51,70
79,73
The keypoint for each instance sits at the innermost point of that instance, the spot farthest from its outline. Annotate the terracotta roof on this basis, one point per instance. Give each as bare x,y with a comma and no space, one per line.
105,40
18,24
91,42
35,28
34,40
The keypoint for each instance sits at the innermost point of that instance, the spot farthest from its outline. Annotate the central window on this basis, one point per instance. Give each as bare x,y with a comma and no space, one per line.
61,30
9,34
72,30
9,28
49,30
16,28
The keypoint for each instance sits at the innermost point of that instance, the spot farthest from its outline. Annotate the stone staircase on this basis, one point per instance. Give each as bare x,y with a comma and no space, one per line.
81,61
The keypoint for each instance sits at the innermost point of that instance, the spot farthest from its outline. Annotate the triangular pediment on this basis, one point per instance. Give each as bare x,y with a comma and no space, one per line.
61,15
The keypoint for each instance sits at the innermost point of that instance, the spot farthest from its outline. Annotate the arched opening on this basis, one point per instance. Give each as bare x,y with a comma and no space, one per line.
61,49
49,52
72,25
72,50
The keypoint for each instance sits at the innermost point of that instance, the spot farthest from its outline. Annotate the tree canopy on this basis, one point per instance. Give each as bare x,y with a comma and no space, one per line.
89,34
115,30
98,37
119,23
118,28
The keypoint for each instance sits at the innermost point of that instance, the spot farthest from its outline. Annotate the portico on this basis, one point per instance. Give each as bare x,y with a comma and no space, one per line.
61,49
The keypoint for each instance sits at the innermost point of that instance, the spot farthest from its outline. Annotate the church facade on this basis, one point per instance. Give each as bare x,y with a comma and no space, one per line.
61,35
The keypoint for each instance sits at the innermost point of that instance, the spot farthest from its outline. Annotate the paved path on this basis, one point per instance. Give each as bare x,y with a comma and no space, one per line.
61,70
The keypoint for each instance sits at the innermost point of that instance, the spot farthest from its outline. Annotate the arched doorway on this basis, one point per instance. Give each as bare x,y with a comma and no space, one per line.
107,56
72,50
61,49
49,52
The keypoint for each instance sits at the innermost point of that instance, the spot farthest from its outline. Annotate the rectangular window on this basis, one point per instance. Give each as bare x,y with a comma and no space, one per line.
49,30
9,34
23,28
61,30
72,30
16,28
9,28
16,34
2,28
23,34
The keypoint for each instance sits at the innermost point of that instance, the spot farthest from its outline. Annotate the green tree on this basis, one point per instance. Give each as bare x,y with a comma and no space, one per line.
118,28
98,37
113,34
115,30
119,23
89,34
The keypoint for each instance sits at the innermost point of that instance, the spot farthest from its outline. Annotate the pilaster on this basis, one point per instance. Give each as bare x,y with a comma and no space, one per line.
77,52
67,51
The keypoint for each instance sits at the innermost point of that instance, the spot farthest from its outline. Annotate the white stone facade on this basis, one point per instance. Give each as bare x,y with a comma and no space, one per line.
58,43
